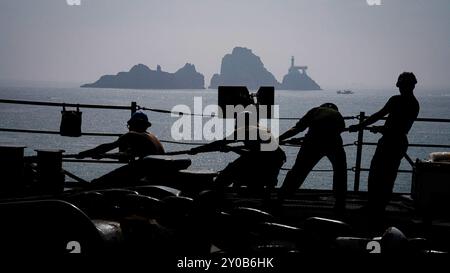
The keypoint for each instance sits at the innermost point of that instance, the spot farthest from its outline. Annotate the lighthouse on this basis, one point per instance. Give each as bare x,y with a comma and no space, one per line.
302,69
297,79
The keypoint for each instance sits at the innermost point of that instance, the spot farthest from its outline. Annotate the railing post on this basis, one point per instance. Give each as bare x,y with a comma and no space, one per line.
133,107
49,171
359,145
11,168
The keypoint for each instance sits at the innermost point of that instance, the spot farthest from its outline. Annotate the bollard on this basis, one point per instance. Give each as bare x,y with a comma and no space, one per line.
50,174
11,167
194,180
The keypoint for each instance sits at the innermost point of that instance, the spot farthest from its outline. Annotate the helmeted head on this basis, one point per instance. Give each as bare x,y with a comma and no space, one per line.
330,105
139,121
406,82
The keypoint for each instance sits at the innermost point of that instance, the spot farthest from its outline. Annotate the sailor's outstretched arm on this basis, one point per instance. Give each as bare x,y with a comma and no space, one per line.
289,133
373,118
301,126
213,146
101,149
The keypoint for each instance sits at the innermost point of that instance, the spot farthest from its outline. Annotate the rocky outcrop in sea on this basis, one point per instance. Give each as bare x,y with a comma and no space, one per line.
243,67
142,77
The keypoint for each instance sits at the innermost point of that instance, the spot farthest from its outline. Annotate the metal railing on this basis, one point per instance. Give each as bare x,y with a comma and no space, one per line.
133,107
360,144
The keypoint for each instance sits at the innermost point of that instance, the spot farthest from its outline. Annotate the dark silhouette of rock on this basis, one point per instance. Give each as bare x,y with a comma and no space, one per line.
142,77
242,67
297,79
188,76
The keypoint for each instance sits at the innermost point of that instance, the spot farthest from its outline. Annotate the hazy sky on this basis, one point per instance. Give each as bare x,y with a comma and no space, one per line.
344,43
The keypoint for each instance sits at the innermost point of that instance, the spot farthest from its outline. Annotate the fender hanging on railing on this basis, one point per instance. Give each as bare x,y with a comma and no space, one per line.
70,122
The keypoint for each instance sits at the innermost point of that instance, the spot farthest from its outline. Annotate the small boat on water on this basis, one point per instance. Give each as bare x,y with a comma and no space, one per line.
344,92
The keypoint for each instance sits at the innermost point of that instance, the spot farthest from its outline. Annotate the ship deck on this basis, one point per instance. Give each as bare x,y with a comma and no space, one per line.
400,212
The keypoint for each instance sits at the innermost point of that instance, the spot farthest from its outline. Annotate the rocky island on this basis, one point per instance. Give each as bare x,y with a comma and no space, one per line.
142,77
243,67
297,79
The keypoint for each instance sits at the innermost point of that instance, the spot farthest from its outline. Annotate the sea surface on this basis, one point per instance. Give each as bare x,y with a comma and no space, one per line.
434,104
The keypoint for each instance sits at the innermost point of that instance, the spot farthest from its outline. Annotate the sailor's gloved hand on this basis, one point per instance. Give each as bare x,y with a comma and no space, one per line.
376,129
195,150
353,128
85,154
81,155
294,141
97,156
210,147
225,149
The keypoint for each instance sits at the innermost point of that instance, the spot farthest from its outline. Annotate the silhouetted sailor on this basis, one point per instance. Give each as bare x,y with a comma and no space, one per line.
137,142
401,111
323,138
258,164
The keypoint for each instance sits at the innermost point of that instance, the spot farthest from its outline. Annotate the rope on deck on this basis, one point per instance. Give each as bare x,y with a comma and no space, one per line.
409,145
118,135
212,115
320,170
60,104
126,107
54,132
90,134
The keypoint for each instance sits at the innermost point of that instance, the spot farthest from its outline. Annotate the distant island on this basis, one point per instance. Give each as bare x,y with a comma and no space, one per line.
243,67
142,77
297,79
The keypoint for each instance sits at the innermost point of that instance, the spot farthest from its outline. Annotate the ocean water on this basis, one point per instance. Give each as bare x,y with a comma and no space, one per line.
434,104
